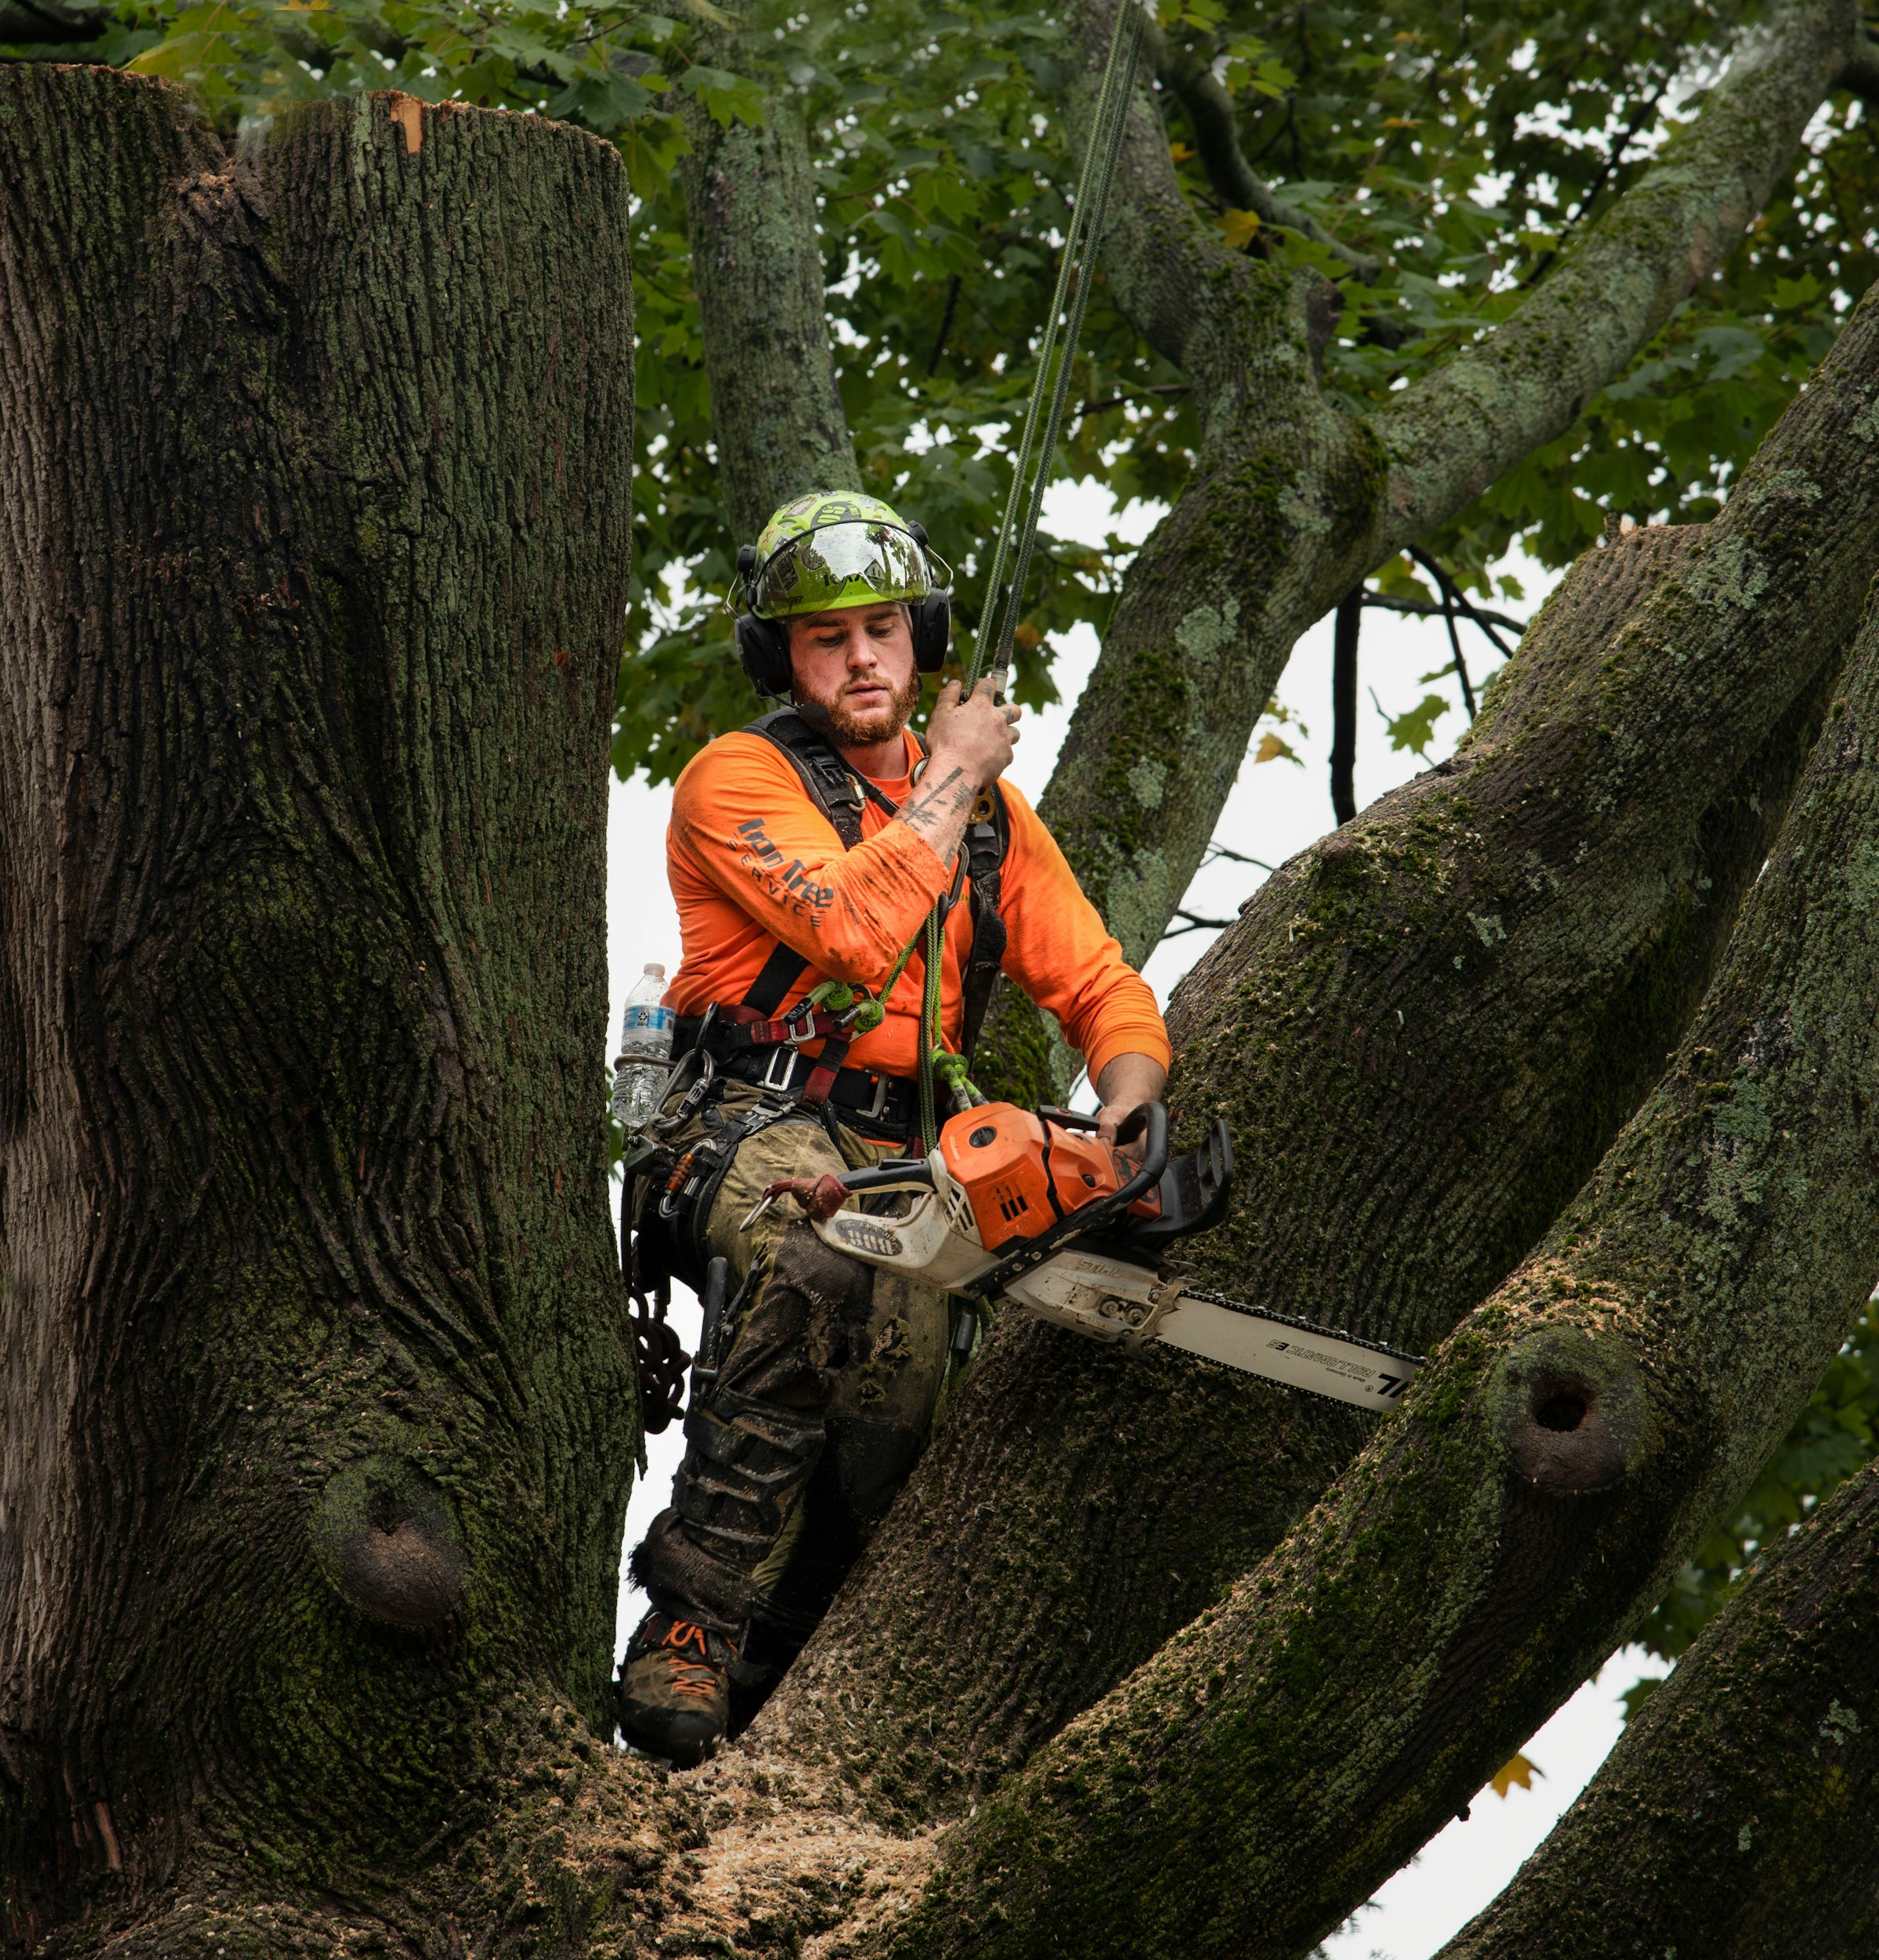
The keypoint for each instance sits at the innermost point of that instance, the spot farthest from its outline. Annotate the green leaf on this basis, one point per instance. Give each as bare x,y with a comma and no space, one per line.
1414,729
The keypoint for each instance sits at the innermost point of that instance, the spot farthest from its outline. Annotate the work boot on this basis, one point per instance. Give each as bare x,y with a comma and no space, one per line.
674,1692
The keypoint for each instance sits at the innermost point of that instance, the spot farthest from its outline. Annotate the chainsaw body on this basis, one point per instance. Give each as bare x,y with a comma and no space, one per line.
1004,1184
1031,1207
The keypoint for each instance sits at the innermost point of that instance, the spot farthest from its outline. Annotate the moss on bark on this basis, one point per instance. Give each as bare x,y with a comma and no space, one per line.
1581,864
777,417
1277,1759
1290,504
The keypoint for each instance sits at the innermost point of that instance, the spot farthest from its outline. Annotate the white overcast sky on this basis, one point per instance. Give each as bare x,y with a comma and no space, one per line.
1276,810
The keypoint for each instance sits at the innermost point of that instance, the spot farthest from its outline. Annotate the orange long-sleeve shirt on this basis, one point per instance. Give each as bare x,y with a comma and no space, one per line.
752,860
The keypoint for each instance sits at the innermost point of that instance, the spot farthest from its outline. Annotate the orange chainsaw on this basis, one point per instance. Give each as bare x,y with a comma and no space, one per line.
1033,1208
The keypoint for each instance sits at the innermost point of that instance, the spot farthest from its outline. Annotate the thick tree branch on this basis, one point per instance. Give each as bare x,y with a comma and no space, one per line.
750,200
1493,962
1860,76
1738,1817
1448,438
1213,117
1290,504
1264,1773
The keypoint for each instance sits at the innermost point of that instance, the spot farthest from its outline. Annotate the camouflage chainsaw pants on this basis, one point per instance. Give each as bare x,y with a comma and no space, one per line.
829,1375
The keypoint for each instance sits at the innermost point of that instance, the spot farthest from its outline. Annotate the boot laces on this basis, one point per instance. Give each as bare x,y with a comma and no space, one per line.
687,1676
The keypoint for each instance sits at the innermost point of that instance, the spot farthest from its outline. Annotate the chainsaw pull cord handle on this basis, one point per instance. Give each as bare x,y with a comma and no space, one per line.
894,1174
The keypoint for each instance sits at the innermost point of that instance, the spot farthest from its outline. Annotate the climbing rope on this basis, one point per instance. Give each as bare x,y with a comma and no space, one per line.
1017,534
1013,545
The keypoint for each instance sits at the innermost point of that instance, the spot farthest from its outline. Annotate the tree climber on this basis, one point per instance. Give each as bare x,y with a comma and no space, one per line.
805,853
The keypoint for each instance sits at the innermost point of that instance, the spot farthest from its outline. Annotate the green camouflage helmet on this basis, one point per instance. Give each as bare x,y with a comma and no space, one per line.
832,549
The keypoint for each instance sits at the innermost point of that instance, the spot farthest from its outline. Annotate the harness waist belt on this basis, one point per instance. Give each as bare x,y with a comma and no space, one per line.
885,1103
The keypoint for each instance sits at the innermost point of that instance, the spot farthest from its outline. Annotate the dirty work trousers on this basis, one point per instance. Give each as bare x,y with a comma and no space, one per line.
829,1380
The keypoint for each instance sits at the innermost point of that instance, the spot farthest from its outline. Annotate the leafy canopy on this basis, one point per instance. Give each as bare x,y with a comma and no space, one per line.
1465,148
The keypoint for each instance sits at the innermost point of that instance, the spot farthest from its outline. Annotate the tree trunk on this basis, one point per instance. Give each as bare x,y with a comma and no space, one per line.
314,466
1267,1769
776,418
1738,1817
313,482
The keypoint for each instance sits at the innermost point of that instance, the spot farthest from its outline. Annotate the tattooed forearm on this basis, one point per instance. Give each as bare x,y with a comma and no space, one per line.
938,811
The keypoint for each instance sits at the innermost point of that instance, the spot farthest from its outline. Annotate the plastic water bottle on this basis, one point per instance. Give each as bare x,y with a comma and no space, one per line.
641,1068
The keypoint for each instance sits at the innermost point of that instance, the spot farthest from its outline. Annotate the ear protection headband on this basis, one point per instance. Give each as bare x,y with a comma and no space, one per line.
763,644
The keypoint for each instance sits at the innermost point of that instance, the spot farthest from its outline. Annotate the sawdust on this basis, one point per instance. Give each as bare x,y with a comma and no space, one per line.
792,1863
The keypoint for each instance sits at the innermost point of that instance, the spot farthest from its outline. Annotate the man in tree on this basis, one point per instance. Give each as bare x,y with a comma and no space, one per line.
804,854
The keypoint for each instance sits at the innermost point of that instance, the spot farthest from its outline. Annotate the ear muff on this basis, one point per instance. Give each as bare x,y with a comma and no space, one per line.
763,652
932,623
762,645
932,617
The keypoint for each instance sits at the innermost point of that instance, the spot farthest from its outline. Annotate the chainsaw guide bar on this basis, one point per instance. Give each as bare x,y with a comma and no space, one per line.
1111,1299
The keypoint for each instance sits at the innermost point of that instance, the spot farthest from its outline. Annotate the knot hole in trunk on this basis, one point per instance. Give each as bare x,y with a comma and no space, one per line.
389,1543
1571,1408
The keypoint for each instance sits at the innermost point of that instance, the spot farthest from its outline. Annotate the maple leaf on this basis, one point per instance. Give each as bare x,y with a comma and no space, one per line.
1515,1769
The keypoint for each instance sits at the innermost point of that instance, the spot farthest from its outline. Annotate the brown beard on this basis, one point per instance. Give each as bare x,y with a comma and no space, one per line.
850,731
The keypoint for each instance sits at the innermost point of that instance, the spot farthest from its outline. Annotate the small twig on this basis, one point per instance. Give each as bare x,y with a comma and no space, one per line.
1132,394
1447,588
1237,857
1343,705
1431,609
1195,924
946,324
1212,115
1615,157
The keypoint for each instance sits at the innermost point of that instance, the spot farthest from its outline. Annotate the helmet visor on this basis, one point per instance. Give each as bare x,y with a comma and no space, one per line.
840,564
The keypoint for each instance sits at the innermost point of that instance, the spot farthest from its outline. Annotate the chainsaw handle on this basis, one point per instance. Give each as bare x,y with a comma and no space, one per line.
896,1174
1153,1118
1064,1119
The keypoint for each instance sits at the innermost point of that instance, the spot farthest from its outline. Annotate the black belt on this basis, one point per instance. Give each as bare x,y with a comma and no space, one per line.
888,1104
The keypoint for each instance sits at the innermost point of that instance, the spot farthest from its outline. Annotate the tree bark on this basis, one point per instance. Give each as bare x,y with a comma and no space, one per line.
315,468
1291,502
1545,913
1258,1777
777,417
1737,1817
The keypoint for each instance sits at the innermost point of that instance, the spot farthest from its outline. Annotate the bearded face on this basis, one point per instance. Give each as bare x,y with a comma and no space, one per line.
857,666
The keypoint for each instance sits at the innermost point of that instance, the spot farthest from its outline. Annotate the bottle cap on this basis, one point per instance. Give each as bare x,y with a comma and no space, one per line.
654,967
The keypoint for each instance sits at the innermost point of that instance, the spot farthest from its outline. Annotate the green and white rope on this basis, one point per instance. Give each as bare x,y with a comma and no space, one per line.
1015,541
1018,535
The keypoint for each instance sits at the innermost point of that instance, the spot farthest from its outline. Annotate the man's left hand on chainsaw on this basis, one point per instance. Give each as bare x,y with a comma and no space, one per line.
1128,1082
